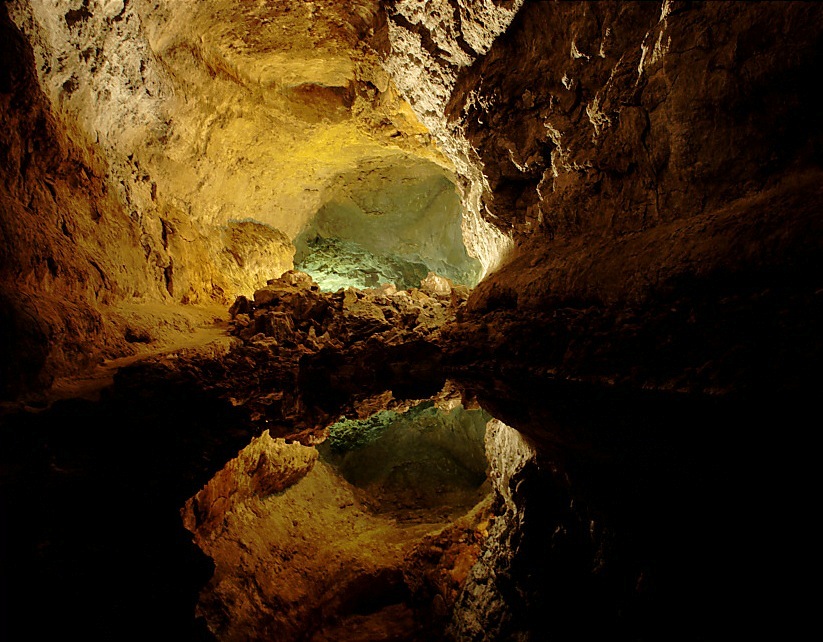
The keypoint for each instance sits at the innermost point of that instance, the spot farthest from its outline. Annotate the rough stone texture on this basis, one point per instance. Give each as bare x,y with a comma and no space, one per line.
427,45
721,303
411,212
66,247
139,153
659,165
293,312
264,467
303,346
252,252
621,115
338,549
582,130
80,279
481,611
248,113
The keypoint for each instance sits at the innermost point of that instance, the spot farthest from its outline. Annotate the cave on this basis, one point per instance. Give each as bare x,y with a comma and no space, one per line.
387,224
442,320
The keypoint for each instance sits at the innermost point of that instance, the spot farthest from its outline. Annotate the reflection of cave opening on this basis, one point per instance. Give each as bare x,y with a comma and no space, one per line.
349,541
387,223
423,462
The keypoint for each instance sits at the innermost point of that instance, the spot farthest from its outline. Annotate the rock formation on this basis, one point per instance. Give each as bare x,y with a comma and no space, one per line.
650,162
597,221
377,534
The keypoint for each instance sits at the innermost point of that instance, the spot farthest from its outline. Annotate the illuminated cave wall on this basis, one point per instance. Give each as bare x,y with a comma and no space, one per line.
621,147
657,163
245,115
149,164
387,223
658,166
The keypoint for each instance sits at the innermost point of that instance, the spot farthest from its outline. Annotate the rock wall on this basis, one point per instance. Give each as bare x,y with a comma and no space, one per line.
484,608
67,246
265,467
408,213
623,147
622,115
659,166
427,47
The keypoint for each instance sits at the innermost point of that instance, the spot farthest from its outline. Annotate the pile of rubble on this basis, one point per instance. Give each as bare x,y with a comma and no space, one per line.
292,314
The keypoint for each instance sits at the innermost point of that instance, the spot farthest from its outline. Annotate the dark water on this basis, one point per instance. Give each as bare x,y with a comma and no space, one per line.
647,517
655,516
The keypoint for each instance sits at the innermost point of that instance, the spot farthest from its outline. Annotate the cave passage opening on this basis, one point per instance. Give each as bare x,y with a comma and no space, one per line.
387,221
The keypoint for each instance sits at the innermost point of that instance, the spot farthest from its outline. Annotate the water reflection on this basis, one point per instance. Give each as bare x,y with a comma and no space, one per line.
378,532
425,459
635,519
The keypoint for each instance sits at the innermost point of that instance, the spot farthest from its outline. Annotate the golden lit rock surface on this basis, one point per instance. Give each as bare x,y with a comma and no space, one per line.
313,545
377,537
264,467
431,45
163,147
555,121
247,113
